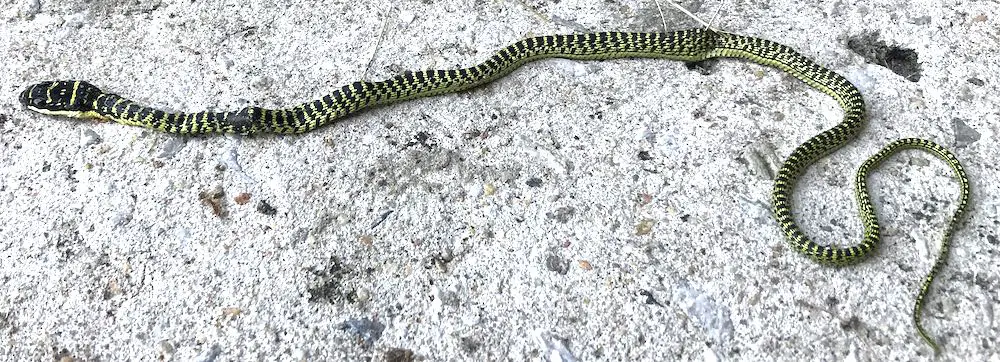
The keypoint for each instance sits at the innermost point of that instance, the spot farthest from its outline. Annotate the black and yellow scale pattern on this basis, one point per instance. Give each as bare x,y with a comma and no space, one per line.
82,100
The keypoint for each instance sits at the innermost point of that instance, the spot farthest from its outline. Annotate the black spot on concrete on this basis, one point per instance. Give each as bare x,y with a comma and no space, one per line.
330,287
469,345
534,182
557,264
399,355
422,138
649,297
265,208
902,61
704,67
851,324
923,20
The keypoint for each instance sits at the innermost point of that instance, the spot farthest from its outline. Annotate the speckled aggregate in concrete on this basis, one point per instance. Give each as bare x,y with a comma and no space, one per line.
573,210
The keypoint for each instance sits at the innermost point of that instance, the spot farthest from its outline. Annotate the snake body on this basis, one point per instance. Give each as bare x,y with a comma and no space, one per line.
82,100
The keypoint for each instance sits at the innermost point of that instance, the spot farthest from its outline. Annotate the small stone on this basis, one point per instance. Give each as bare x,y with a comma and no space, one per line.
263,82
90,138
714,318
242,199
367,330
964,135
343,219
644,199
213,199
562,214
231,313
555,348
166,350
171,147
923,20
362,295
644,227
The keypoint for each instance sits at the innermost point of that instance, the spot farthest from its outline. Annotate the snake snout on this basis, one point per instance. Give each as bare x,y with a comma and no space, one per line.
34,96
58,96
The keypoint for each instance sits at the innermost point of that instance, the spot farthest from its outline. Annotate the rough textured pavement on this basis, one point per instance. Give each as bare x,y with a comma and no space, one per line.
573,210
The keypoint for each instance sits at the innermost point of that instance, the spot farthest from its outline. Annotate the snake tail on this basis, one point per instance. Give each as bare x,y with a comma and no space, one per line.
865,206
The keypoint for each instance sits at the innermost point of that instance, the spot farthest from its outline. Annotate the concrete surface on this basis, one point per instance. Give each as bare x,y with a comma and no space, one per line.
574,210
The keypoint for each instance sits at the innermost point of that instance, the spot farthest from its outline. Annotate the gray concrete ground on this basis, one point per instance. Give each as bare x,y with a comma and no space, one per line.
573,210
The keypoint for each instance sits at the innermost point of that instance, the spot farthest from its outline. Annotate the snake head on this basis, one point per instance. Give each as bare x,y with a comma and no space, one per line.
71,98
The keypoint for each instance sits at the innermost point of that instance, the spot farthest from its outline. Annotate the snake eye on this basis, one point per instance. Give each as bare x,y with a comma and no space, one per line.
37,101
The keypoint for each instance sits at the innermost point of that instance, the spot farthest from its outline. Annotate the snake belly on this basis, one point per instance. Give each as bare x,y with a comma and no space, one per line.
81,99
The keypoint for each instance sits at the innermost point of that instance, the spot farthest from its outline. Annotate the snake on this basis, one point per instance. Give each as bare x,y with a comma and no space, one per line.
81,99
